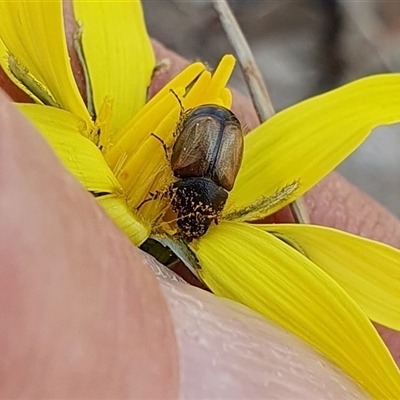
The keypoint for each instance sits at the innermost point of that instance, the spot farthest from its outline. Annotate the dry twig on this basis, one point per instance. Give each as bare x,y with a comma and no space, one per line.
258,91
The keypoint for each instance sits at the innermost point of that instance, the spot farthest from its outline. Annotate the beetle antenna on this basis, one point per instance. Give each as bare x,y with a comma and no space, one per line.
179,101
162,143
181,114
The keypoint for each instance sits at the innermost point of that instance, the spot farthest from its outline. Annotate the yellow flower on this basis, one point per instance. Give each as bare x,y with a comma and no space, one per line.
322,284
119,162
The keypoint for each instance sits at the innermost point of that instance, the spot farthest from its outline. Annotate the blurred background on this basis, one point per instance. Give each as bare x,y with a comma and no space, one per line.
302,48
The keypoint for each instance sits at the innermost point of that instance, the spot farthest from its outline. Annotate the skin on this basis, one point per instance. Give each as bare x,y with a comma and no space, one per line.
84,314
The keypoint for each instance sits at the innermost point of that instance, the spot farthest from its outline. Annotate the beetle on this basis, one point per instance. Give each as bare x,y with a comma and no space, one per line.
205,159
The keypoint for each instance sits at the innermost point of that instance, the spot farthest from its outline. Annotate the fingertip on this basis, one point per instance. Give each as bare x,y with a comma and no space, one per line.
81,315
14,92
228,351
71,27
337,203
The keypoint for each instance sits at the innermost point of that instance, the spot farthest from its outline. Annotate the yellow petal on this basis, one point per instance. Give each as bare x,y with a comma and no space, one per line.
255,268
293,150
369,271
118,54
23,79
202,87
210,88
117,208
33,32
137,131
80,156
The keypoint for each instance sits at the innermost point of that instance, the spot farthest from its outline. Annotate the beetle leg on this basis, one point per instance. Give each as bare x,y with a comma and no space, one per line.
143,203
152,196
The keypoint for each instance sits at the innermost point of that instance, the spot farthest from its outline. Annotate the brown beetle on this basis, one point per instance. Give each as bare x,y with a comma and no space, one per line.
206,157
